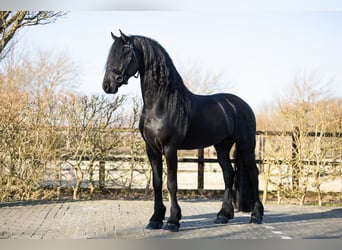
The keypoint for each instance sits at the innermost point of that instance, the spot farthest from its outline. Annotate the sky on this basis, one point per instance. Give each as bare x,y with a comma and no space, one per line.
257,52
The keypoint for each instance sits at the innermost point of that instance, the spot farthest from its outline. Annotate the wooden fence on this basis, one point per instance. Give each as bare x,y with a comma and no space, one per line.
201,160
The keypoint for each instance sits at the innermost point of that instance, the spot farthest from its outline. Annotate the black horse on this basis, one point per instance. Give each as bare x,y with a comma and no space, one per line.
174,118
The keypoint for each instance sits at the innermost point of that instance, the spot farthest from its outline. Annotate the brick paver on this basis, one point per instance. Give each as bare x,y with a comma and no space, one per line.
122,219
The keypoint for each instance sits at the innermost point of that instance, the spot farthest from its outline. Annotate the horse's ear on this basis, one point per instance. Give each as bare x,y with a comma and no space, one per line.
113,36
123,37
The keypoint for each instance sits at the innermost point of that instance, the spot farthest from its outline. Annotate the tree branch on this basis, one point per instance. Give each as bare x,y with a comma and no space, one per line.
11,22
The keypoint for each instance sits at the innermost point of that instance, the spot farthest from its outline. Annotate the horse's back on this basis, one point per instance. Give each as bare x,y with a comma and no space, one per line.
218,117
234,108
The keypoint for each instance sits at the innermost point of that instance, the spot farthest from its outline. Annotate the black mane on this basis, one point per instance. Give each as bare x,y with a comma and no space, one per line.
162,76
156,57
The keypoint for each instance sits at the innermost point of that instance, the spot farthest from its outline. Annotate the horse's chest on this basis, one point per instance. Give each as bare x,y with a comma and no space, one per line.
154,126
156,131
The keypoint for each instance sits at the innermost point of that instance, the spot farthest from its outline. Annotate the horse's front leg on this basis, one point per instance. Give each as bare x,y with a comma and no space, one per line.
175,212
155,158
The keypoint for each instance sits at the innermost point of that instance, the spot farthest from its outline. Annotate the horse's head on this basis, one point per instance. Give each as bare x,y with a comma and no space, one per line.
122,63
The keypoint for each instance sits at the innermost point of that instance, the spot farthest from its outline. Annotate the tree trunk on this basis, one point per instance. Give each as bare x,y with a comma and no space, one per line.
148,181
295,160
319,196
279,194
79,179
91,179
77,188
266,182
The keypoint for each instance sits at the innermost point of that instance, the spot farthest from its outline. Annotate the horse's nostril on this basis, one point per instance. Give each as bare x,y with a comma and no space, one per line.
106,87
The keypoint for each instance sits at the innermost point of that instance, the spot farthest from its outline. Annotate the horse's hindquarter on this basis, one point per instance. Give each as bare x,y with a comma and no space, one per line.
213,120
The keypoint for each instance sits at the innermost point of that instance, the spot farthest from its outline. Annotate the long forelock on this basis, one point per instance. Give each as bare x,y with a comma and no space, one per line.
113,53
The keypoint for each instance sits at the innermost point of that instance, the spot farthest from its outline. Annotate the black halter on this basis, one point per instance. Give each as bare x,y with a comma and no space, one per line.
121,76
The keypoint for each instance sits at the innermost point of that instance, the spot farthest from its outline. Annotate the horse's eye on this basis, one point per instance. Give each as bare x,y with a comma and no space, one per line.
119,79
127,47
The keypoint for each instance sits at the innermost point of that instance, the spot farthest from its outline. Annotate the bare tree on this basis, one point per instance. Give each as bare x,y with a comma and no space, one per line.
201,82
90,121
137,147
300,162
12,21
29,123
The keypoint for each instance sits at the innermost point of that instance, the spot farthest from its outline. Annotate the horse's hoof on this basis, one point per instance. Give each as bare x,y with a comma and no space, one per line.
154,225
255,220
221,220
172,227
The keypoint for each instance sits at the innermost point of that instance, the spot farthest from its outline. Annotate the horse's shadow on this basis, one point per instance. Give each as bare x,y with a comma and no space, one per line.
200,221
316,215
206,221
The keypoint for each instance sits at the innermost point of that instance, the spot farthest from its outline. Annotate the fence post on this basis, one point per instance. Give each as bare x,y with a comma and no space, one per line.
200,168
102,174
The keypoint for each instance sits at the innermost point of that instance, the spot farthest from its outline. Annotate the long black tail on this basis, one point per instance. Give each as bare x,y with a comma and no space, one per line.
243,187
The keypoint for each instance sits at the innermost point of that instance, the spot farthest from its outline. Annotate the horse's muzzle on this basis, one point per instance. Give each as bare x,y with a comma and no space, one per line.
110,88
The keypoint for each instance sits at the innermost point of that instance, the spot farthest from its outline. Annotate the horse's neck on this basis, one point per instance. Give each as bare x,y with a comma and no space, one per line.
153,93
164,98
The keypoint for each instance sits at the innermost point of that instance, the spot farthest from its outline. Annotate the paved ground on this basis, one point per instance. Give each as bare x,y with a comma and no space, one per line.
108,219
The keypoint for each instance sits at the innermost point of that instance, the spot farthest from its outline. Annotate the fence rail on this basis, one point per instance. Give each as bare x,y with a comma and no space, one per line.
291,133
201,160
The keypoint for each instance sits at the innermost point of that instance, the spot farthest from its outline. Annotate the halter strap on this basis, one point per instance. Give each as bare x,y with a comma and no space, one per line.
122,77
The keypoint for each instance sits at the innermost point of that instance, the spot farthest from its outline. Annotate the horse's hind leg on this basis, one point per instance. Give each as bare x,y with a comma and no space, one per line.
257,207
227,211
